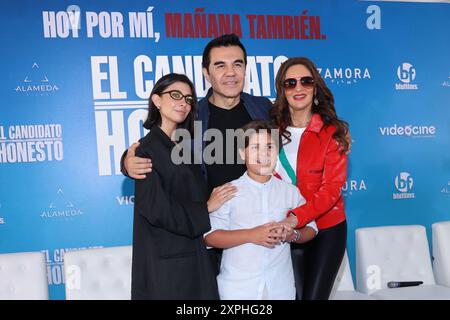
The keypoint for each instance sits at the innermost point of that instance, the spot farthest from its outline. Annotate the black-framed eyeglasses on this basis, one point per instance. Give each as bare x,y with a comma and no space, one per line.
177,95
307,82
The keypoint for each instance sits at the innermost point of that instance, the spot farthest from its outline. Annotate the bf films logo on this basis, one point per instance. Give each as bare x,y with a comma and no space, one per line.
404,184
406,73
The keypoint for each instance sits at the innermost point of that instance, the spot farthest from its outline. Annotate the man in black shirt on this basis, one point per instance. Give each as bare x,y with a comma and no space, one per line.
225,106
226,119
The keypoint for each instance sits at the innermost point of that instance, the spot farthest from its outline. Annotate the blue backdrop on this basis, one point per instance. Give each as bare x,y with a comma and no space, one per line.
76,76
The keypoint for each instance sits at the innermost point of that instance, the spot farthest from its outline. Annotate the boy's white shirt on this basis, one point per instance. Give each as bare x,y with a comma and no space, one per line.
247,268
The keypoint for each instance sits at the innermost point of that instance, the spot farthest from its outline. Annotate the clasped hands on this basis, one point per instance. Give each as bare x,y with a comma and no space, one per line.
272,234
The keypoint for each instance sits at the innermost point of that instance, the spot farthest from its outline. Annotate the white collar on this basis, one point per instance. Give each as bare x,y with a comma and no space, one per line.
256,183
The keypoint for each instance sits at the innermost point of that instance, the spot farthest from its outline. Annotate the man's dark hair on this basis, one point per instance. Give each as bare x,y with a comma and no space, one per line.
225,40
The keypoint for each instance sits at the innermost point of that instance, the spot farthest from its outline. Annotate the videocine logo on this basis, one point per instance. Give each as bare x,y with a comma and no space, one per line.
406,73
404,183
409,131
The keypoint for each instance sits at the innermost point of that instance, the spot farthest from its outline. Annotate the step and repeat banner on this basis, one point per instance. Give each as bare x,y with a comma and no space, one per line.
76,76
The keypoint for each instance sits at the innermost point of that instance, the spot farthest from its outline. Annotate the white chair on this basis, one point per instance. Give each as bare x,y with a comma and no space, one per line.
343,288
441,252
397,253
23,276
98,274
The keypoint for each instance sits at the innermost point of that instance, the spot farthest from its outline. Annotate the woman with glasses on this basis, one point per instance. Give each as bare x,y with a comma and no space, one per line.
171,209
314,158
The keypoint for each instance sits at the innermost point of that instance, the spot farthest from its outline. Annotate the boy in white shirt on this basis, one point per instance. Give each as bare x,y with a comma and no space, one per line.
252,227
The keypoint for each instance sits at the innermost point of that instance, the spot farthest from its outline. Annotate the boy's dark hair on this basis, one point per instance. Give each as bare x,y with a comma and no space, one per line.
225,40
258,126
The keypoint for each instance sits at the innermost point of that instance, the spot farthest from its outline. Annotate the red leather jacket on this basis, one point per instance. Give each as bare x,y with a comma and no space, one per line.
321,173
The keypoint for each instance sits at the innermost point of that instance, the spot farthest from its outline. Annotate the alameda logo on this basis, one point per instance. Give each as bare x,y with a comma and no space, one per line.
36,83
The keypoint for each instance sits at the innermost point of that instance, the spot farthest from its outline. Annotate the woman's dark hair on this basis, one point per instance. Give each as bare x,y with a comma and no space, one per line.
325,107
226,40
154,116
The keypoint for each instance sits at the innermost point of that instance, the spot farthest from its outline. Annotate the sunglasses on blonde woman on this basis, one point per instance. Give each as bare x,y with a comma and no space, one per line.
177,95
306,82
